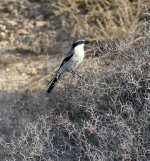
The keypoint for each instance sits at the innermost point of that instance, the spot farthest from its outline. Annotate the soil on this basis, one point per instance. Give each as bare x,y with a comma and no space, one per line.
31,44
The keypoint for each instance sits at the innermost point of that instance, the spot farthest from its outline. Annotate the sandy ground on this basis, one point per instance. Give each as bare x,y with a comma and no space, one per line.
22,73
29,40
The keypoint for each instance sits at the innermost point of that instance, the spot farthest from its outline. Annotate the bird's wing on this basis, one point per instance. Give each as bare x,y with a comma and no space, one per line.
66,59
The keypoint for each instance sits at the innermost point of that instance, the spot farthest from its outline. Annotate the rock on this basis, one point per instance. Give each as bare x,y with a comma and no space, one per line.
22,32
34,71
10,8
2,27
40,23
15,12
7,69
10,24
3,36
28,24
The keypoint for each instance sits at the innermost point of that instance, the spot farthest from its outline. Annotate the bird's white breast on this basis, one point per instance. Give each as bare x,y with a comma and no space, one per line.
79,52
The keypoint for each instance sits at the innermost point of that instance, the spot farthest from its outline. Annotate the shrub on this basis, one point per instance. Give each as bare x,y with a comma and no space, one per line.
100,19
103,116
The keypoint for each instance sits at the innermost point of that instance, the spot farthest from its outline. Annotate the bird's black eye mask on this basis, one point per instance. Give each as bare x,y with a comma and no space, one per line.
79,42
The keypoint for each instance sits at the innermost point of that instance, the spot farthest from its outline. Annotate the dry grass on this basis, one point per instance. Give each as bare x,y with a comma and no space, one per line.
97,118
100,19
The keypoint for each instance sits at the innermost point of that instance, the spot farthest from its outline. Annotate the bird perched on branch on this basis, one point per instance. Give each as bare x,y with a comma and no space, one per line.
70,63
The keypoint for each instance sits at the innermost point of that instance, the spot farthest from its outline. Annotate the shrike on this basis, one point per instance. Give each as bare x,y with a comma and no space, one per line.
70,63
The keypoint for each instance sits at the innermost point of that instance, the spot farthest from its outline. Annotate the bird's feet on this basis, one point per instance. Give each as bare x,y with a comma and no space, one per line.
75,74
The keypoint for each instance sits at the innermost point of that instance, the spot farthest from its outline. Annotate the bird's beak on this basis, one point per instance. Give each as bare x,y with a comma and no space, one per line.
86,42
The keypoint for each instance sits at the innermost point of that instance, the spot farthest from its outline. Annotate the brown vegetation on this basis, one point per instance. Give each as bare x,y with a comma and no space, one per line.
100,20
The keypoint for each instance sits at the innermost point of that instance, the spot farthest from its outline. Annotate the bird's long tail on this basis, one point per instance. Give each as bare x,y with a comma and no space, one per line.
53,82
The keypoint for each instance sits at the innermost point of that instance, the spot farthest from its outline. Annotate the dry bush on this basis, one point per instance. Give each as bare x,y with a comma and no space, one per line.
97,118
100,19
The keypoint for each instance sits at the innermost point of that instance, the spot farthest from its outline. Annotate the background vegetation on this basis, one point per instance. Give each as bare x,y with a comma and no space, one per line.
100,19
105,115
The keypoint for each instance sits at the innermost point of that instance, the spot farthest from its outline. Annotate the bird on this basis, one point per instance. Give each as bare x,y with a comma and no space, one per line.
70,63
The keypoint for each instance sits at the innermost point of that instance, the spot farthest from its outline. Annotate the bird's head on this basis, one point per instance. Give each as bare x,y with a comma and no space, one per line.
80,43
